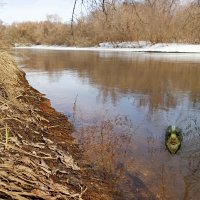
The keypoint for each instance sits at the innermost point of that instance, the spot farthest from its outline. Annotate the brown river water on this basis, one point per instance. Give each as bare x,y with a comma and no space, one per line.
121,104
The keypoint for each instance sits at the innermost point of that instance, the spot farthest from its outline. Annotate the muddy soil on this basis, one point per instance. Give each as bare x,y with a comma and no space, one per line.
39,159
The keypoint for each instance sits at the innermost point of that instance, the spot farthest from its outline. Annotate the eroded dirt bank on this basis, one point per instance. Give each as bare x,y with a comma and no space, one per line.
39,158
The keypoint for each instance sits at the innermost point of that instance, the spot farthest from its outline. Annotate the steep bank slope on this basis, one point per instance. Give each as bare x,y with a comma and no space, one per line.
38,156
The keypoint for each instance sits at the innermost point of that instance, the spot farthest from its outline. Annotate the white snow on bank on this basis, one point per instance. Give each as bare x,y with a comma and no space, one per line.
141,46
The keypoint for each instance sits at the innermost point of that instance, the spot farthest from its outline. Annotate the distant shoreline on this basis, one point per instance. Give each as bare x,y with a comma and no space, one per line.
123,47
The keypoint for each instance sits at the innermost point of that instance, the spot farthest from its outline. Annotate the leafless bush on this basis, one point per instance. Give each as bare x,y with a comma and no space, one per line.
150,20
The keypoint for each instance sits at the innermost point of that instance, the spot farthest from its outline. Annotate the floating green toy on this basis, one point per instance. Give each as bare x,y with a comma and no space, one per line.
173,139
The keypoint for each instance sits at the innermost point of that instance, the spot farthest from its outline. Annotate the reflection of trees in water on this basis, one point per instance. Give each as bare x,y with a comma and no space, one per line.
196,102
155,84
158,80
53,77
105,94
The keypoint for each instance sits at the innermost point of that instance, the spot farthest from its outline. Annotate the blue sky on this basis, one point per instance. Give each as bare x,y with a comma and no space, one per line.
34,10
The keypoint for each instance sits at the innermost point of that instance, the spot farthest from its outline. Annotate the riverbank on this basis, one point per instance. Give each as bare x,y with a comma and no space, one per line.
39,159
140,46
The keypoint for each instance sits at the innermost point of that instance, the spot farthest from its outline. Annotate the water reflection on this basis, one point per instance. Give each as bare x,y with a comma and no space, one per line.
157,79
151,90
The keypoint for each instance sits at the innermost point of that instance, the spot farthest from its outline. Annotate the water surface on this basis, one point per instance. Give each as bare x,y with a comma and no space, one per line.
149,91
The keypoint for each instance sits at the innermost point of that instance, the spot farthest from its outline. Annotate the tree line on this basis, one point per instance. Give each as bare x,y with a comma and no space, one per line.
111,21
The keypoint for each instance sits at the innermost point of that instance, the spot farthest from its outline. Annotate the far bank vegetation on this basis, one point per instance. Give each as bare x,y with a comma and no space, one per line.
112,21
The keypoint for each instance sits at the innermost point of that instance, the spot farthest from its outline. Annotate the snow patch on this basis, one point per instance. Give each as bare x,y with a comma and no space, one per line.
141,46
138,44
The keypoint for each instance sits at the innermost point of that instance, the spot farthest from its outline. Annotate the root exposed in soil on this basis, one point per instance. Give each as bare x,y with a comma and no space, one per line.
38,155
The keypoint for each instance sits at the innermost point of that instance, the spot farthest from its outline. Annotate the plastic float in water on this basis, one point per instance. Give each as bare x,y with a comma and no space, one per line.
173,139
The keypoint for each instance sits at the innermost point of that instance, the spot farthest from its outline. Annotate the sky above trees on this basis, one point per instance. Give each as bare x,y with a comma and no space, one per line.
34,10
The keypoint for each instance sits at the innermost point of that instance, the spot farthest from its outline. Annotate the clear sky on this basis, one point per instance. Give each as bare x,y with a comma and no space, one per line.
34,10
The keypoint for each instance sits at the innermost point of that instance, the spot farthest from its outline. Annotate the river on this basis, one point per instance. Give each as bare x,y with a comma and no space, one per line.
121,104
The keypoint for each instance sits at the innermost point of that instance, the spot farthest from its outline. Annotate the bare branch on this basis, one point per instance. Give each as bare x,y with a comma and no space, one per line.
136,12
72,20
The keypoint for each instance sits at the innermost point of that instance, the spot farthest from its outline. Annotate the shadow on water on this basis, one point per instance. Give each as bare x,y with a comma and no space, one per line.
125,103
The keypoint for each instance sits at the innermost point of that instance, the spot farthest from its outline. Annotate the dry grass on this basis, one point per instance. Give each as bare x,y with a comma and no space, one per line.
32,166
